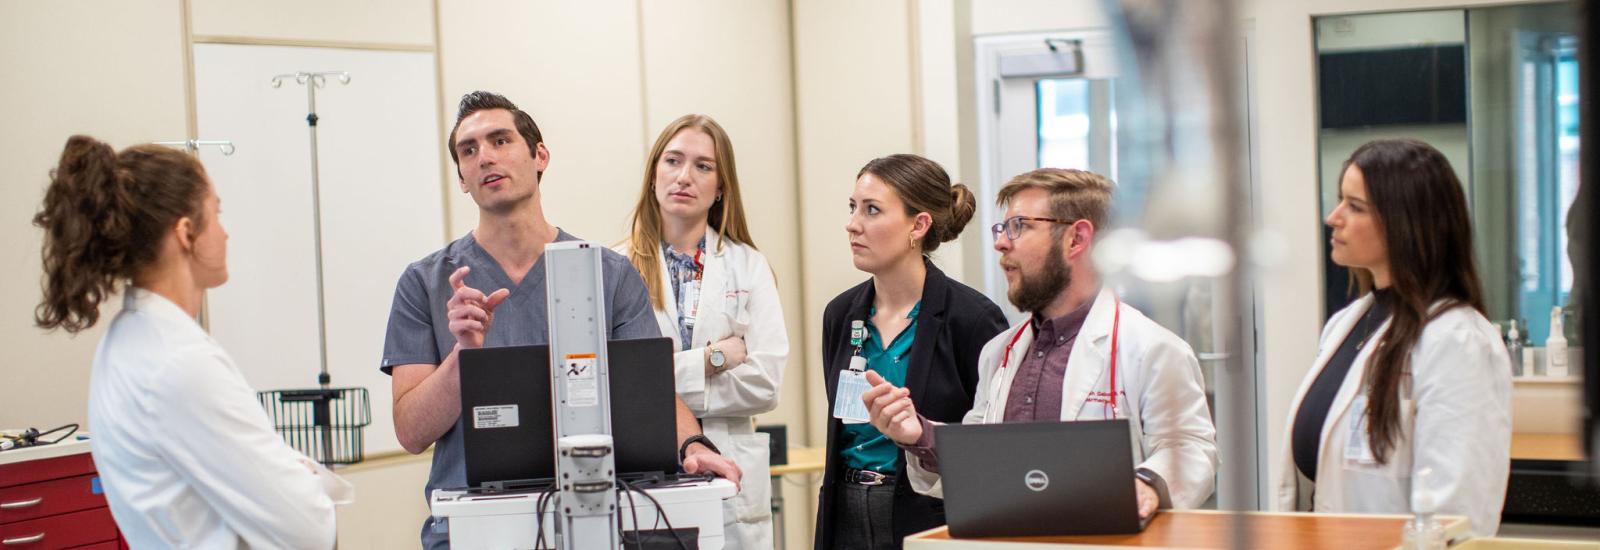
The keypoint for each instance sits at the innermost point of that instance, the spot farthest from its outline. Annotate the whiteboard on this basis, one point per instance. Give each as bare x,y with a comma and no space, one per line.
379,147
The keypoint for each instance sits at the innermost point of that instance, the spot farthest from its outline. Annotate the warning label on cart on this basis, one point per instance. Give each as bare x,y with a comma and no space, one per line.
583,388
495,416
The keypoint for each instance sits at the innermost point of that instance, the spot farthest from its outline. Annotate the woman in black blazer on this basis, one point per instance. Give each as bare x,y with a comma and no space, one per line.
918,326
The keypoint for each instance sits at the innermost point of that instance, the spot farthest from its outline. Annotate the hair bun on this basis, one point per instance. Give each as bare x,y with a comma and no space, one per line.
961,211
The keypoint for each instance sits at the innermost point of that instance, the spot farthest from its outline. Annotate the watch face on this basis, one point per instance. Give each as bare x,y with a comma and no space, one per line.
717,358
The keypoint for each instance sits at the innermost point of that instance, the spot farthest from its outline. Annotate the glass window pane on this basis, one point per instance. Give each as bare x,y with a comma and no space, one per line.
1063,123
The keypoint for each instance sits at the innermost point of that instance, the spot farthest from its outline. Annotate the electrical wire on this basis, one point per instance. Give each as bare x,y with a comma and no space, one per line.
633,509
661,516
538,510
32,437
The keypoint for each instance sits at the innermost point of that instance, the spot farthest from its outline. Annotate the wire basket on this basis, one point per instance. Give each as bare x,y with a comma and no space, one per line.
325,424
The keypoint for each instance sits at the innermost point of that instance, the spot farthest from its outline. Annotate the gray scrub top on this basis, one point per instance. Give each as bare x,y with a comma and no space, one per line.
419,332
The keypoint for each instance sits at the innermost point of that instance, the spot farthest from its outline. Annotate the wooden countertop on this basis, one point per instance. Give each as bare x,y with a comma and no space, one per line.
1546,447
1211,529
802,460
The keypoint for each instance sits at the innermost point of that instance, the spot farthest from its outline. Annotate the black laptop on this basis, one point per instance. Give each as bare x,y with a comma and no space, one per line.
508,431
1038,479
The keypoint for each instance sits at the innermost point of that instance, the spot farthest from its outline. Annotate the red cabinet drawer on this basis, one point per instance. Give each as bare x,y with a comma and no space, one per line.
34,471
107,545
63,531
48,498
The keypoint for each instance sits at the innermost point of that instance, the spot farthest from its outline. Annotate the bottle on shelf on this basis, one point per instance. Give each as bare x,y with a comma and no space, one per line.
1423,531
1555,348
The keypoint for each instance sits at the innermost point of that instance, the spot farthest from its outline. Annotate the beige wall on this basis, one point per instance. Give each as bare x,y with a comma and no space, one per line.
368,22
389,509
114,70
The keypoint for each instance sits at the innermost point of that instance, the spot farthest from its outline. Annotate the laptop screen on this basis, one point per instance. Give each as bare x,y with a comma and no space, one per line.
509,432
1039,478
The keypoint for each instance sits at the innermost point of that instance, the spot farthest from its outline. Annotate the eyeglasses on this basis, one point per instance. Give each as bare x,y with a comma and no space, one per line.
1012,226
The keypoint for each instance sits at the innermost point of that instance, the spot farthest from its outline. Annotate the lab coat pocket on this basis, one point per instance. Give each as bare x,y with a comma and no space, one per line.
754,501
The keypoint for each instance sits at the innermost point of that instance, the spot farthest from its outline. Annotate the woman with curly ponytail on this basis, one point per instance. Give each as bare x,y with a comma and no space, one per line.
187,456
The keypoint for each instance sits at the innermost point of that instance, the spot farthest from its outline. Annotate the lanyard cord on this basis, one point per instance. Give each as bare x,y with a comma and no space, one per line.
1116,325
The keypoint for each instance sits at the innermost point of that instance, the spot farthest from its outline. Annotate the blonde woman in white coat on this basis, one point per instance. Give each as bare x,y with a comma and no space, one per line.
1411,377
715,296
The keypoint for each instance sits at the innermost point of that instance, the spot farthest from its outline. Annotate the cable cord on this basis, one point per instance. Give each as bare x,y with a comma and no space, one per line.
32,437
661,515
538,511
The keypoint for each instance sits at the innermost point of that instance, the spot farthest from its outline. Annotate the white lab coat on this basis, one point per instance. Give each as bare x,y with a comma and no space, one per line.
187,455
1160,391
738,296
1455,419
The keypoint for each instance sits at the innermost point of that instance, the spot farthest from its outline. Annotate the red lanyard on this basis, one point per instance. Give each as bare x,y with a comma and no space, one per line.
699,268
1116,324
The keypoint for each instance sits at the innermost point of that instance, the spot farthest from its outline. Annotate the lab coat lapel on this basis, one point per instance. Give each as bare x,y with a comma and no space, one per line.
1330,343
1001,390
1349,388
1086,364
711,292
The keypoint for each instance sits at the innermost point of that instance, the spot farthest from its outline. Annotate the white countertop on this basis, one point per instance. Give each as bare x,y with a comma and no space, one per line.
74,444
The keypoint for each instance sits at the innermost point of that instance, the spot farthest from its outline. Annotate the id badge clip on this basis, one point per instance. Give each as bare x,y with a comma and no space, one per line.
847,404
1357,451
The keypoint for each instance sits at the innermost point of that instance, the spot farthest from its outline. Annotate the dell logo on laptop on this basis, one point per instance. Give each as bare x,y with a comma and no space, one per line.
1036,480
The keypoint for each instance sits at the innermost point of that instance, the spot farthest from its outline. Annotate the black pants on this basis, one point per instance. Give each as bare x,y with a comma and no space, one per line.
864,517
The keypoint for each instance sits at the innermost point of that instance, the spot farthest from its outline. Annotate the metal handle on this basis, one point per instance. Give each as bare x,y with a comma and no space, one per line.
21,504
23,540
1213,356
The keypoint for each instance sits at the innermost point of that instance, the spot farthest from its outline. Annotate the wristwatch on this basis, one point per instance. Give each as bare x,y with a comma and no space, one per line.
718,360
683,450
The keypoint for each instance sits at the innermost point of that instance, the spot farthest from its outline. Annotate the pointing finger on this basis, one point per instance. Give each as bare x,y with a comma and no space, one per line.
458,277
495,299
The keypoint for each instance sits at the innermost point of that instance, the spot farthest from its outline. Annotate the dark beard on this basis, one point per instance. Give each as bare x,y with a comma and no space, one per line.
1033,294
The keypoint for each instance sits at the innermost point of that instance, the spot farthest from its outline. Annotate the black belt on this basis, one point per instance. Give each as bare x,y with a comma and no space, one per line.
867,477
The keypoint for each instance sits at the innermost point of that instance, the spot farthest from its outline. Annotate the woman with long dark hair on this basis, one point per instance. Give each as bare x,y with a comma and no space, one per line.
187,455
1409,401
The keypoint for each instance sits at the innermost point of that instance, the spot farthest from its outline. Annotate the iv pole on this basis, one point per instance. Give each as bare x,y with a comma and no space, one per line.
312,81
194,145
321,401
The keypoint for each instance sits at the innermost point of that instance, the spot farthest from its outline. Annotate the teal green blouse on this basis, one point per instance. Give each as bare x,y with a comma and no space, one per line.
862,446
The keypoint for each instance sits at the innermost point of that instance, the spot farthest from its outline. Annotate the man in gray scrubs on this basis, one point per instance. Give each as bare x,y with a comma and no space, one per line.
439,309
